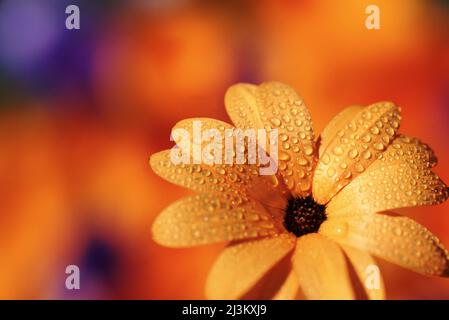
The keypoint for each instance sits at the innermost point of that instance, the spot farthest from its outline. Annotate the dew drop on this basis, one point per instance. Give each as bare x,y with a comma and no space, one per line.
366,154
375,130
275,121
359,167
347,174
379,146
338,151
286,118
274,181
302,161
395,124
353,153
232,177
326,158
390,131
308,150
290,183
366,138
283,137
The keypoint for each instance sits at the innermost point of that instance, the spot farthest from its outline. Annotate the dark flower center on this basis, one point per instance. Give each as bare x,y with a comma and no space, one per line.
303,215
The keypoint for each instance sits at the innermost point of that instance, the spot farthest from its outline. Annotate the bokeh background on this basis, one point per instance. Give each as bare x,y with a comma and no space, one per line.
82,110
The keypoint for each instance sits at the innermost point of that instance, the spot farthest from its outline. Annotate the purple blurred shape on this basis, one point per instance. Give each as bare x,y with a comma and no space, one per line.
28,32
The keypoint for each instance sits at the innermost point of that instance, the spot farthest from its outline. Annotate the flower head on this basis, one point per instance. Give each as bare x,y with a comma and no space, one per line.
326,210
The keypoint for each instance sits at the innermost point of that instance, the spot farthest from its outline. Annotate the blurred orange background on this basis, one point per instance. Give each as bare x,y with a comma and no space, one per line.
82,110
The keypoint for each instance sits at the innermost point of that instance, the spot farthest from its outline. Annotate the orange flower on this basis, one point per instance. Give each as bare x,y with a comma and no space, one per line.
326,205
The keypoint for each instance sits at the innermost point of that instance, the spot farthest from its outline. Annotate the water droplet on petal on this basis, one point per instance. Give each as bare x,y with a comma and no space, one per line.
338,151
375,130
353,153
274,180
308,150
366,138
326,158
366,154
359,167
276,122
331,172
286,118
379,146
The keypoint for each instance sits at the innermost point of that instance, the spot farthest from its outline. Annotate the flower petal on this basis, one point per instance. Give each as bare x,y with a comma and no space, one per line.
203,219
241,265
396,239
289,288
232,181
321,268
336,124
198,177
364,265
401,177
229,183
242,106
274,105
358,144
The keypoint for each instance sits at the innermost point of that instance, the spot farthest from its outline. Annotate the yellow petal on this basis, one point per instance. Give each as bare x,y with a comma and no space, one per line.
402,177
274,105
354,147
336,124
321,268
205,219
242,106
198,177
228,183
232,181
367,271
289,288
396,239
240,266
196,129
